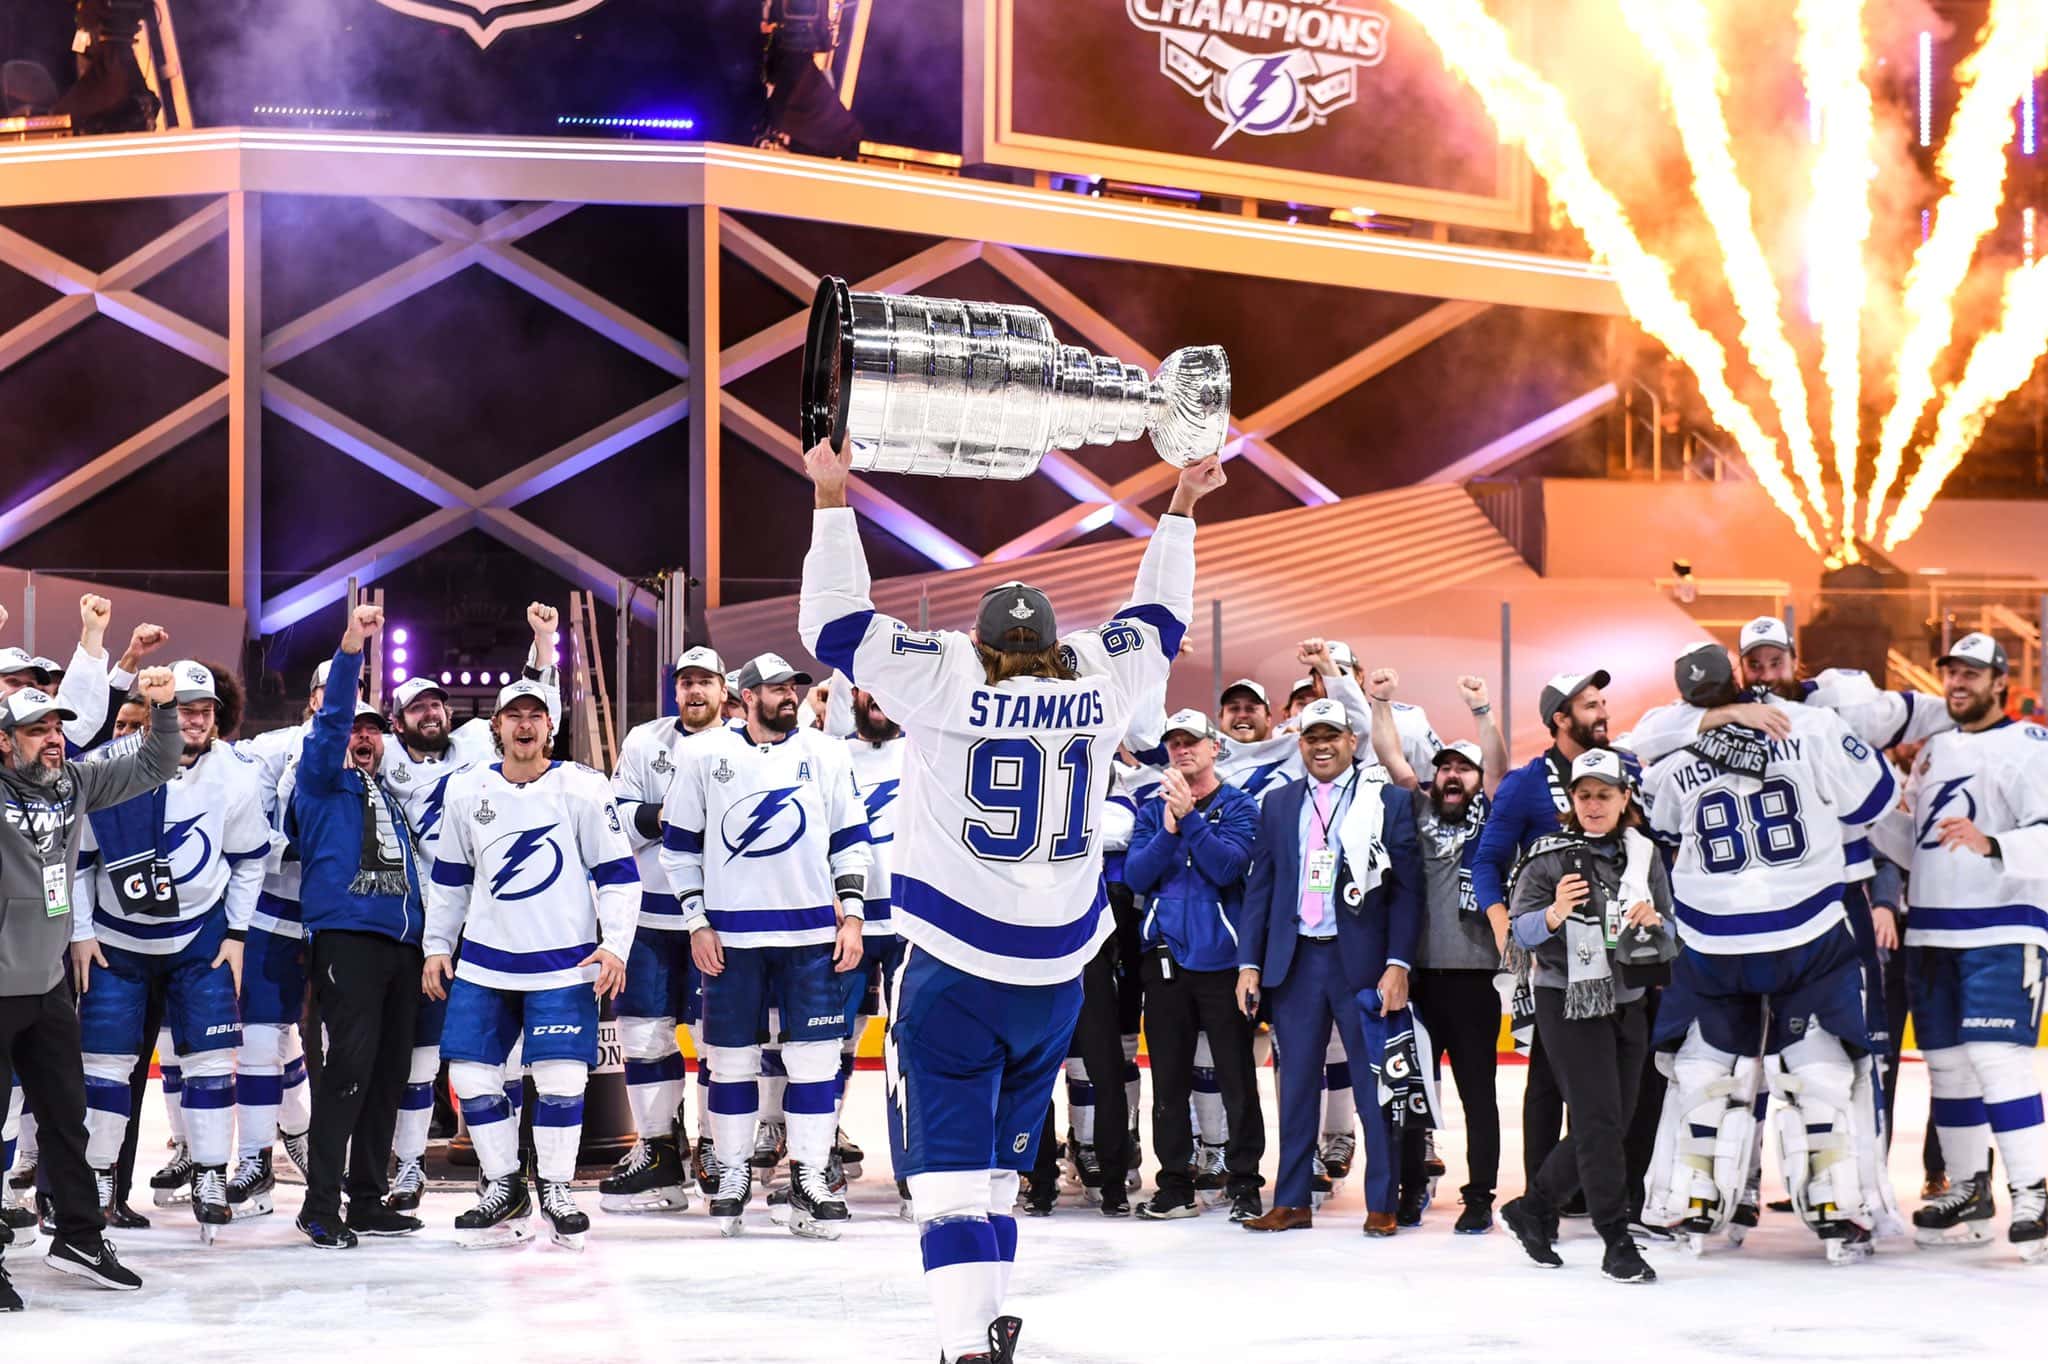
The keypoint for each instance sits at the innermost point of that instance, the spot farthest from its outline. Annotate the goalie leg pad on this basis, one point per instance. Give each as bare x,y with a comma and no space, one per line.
1817,1134
1704,1137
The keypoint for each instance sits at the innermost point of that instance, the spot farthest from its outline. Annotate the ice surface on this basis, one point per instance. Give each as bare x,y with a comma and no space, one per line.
1088,1289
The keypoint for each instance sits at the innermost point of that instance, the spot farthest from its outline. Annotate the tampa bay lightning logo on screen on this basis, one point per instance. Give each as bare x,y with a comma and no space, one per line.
188,848
1264,69
763,824
485,20
528,862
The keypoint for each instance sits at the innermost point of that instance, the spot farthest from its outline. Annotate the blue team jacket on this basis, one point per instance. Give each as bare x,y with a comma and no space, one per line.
1193,880
326,821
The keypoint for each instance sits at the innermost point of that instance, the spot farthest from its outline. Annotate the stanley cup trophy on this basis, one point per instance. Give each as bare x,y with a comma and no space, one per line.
983,390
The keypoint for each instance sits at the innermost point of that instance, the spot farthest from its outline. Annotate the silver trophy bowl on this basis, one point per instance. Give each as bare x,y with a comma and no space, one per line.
984,390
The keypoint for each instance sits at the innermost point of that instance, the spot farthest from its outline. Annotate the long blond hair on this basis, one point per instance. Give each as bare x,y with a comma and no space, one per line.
996,664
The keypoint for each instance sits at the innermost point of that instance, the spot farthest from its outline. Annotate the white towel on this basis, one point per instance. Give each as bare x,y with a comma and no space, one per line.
1359,834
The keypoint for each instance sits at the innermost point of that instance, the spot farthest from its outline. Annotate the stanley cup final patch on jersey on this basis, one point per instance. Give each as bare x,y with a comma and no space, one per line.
1264,69
485,20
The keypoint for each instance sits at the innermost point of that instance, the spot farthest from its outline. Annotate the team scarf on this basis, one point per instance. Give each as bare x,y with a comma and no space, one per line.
382,867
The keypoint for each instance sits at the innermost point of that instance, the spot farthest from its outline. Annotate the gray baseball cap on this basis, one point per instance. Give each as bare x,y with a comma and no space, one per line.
1325,712
1465,749
1016,609
194,681
1601,764
1559,690
1703,674
766,669
1979,649
31,704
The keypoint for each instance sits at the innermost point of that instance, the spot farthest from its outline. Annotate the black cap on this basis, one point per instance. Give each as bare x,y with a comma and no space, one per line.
1015,608
768,668
1703,674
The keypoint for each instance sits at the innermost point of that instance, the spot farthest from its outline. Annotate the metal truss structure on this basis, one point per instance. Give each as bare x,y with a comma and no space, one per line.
409,176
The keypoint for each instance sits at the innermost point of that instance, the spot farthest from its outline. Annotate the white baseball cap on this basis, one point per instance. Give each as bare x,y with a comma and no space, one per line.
1601,764
411,690
1306,683
48,665
1765,630
1324,712
1245,684
13,660
1978,648
1465,749
366,711
1342,656
31,704
703,658
320,673
194,681
1189,721
525,686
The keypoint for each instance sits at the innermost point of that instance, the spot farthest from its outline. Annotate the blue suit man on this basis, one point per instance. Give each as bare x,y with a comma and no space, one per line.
1310,951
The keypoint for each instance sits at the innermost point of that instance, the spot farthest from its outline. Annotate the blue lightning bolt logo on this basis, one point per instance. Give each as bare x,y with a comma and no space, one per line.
1270,70
177,833
766,807
1950,789
430,811
878,798
525,844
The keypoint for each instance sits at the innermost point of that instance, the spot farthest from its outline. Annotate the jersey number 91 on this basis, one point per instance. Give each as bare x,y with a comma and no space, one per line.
1007,780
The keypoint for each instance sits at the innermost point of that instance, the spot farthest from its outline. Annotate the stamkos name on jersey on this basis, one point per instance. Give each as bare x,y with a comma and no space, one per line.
1011,710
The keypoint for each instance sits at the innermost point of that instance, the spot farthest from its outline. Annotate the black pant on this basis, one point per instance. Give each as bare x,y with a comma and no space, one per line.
39,1042
1130,952
1639,1143
369,991
1179,1006
1461,1009
1099,1042
138,1087
1542,1108
1597,1062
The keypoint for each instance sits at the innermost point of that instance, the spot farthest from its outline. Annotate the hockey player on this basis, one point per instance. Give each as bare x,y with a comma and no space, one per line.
997,883
425,752
765,842
1973,826
1758,890
174,878
661,982
534,875
876,747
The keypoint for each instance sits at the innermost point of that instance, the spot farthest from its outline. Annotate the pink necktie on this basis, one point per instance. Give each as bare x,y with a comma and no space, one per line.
1314,903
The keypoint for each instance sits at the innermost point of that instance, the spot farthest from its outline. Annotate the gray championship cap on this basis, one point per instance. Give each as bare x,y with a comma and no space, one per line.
1979,649
767,669
1601,764
1249,687
1559,690
1190,721
1465,749
366,711
1703,674
411,690
1016,619
31,704
14,660
703,658
1325,712
525,686
1765,630
194,681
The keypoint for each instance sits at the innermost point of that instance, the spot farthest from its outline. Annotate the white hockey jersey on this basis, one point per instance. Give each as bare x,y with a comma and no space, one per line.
1272,762
647,765
1760,865
1881,719
275,753
878,776
421,785
1998,779
531,878
998,856
764,833
217,840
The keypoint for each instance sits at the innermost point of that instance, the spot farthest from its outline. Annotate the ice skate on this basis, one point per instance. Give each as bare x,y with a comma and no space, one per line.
1958,1216
252,1187
171,1184
407,1186
567,1223
848,1153
500,1216
296,1150
210,1200
648,1178
735,1186
1338,1150
771,1145
2028,1231
815,1211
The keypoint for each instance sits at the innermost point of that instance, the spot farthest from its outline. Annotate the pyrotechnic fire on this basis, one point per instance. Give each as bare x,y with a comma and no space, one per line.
2000,363
1831,52
1679,38
2013,47
1529,110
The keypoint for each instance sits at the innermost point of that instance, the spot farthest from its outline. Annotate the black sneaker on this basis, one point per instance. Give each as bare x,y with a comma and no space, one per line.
1039,1196
1116,1202
327,1233
1245,1204
10,1301
1475,1218
1623,1263
93,1262
369,1218
1532,1229
1408,1211
1168,1205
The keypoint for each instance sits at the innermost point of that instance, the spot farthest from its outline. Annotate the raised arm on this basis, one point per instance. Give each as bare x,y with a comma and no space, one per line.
113,780
84,685
1386,746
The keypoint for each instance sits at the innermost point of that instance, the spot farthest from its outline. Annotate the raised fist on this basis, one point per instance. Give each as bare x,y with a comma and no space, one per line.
1380,686
143,640
543,620
1197,481
367,619
94,613
1472,691
156,685
1315,654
